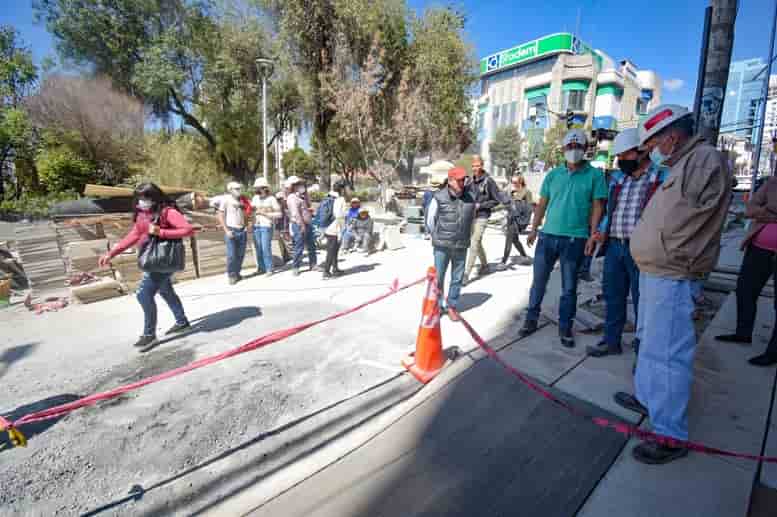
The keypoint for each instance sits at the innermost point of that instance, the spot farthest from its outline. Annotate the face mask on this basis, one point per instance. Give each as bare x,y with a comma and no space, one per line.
657,157
574,155
628,166
300,190
235,194
145,204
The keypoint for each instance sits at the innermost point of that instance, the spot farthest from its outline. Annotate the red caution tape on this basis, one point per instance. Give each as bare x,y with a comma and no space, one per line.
620,427
273,337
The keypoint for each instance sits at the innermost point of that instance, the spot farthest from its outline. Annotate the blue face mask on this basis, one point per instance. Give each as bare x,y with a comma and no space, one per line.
657,157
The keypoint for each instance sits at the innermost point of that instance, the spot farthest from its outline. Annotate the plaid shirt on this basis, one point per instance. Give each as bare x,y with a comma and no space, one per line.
629,207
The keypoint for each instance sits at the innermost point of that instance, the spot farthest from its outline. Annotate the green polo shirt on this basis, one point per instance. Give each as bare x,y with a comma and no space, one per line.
570,197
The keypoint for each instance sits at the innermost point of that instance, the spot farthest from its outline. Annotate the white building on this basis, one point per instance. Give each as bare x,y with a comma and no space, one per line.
768,155
538,84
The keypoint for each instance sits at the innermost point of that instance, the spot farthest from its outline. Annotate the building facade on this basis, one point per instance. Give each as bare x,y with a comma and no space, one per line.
743,97
768,163
536,85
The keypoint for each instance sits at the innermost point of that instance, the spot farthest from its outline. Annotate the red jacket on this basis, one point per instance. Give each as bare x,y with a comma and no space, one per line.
172,225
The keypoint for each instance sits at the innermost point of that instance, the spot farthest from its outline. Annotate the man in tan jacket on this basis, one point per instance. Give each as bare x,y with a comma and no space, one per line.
675,243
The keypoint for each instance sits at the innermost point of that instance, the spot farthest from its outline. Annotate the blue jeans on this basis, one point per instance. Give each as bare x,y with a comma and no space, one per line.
263,248
236,251
621,275
300,241
150,285
665,366
551,248
457,258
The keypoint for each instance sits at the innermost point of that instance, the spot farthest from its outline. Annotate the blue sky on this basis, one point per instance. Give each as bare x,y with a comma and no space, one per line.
662,35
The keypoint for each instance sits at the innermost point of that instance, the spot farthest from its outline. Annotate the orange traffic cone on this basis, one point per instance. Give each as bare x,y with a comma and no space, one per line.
428,359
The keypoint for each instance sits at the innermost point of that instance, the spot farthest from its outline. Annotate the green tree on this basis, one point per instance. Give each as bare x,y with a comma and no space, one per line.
296,162
445,63
18,77
314,31
192,60
505,150
552,153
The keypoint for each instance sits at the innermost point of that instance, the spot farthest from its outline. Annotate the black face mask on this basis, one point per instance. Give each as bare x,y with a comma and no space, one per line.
628,166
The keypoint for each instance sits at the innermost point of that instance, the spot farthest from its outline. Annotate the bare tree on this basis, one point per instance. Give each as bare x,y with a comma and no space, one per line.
381,118
98,122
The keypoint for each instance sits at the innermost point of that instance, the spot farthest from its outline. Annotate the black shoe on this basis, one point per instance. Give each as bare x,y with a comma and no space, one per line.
178,327
529,328
630,402
763,360
337,272
657,454
734,338
326,276
567,339
603,349
146,343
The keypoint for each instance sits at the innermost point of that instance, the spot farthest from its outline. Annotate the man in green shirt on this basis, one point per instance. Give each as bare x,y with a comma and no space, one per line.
572,196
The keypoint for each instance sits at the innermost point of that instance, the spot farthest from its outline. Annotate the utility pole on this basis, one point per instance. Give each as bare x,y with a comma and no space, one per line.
265,68
718,60
761,119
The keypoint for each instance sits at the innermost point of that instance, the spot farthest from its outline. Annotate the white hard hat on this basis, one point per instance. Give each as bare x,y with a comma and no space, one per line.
261,183
575,136
626,140
660,117
234,185
291,180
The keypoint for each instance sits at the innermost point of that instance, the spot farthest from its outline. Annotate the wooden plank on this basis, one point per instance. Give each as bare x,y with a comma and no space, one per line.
97,291
91,190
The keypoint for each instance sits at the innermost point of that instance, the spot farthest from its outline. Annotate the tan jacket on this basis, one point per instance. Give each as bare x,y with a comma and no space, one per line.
765,197
678,235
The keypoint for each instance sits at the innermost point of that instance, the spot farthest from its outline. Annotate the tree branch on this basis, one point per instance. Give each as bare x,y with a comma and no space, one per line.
180,109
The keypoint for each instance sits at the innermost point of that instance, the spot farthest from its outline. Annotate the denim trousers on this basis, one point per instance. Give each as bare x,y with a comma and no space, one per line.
302,241
150,285
263,248
236,251
570,252
665,366
621,276
456,258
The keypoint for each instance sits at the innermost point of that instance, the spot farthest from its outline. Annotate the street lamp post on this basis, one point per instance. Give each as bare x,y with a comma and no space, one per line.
264,67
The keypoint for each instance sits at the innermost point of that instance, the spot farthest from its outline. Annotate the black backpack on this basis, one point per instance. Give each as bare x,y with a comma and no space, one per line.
325,213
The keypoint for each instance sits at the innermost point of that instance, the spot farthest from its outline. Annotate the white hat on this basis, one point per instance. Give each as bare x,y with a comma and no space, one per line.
261,183
659,118
575,136
291,180
626,140
234,185
280,195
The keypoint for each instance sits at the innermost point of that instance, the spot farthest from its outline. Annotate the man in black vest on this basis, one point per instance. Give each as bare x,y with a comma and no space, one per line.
449,220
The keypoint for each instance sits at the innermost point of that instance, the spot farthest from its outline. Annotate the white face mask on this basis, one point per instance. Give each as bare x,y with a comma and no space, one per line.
301,189
145,204
235,193
574,156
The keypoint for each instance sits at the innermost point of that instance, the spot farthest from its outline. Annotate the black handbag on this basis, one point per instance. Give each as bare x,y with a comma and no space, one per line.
158,255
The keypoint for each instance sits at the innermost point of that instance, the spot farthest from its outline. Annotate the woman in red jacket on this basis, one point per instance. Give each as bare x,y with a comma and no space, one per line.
152,205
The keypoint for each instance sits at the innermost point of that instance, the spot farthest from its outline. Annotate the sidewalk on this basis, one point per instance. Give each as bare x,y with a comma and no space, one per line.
491,456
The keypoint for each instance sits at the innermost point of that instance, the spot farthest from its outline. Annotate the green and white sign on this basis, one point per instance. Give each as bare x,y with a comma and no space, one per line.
555,43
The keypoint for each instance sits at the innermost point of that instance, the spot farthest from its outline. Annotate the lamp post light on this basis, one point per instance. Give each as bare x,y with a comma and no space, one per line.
265,67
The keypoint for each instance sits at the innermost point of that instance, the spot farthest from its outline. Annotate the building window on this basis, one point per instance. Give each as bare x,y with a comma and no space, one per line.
642,107
494,120
574,100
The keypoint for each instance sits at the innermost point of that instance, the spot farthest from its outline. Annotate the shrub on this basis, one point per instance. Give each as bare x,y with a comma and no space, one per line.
180,161
60,169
